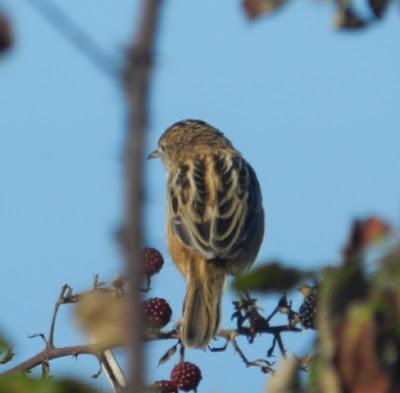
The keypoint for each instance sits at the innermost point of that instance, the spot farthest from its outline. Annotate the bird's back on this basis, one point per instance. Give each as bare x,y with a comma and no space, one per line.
215,206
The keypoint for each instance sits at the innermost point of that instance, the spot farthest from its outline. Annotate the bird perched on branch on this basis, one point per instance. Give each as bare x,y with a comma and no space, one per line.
215,219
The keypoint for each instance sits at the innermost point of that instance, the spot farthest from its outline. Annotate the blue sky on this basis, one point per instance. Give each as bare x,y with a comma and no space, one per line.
315,111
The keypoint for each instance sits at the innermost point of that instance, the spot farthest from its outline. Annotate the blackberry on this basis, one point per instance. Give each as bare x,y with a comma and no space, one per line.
308,308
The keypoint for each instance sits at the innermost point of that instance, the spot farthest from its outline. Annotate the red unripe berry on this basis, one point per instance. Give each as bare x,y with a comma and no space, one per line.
165,386
186,376
153,261
157,312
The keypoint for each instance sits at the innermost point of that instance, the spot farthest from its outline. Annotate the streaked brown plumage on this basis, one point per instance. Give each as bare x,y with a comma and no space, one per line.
215,219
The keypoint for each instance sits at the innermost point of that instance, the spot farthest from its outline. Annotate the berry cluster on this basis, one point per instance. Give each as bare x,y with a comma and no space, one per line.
157,311
185,376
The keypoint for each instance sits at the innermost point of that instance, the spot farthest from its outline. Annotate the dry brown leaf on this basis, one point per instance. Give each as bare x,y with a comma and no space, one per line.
255,8
374,230
356,357
6,37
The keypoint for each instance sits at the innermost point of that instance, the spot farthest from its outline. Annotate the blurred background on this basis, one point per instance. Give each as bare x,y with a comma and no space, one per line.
314,110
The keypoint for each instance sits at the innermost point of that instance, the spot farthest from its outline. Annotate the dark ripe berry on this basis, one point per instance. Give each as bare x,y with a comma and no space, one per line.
186,376
157,312
165,386
308,310
153,261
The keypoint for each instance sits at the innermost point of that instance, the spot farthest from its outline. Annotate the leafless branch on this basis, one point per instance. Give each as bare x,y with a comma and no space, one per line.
54,353
51,352
246,312
77,36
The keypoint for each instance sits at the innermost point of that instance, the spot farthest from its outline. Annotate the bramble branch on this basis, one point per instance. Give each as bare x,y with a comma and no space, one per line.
50,353
250,323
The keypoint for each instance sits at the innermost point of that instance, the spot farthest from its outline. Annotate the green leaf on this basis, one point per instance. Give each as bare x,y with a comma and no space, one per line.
314,374
340,287
3,344
23,384
6,353
68,386
271,277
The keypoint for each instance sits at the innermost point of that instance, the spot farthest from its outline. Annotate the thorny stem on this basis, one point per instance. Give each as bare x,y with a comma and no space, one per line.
53,353
61,300
230,335
50,353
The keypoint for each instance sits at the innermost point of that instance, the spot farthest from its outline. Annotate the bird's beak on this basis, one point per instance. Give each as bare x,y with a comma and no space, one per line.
154,154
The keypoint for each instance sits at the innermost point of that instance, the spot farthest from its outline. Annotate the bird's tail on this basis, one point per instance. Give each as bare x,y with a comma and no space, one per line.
201,308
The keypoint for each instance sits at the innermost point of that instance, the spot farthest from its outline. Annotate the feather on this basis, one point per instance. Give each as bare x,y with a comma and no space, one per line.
214,201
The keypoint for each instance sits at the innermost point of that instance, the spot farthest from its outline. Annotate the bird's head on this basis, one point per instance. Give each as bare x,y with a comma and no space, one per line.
185,138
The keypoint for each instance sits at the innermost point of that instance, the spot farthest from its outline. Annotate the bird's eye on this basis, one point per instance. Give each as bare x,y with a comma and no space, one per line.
161,148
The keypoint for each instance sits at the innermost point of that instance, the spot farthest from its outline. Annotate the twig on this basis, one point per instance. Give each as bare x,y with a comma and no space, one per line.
230,336
225,333
136,83
278,339
181,352
77,36
159,335
65,290
39,335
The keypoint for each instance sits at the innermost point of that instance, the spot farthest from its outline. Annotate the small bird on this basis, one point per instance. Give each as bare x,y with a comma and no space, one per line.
215,219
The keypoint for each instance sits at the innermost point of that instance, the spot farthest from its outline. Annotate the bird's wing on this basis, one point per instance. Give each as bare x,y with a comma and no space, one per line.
214,202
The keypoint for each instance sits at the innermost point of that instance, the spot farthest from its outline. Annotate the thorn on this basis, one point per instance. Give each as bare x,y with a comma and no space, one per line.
38,335
219,349
96,282
98,372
